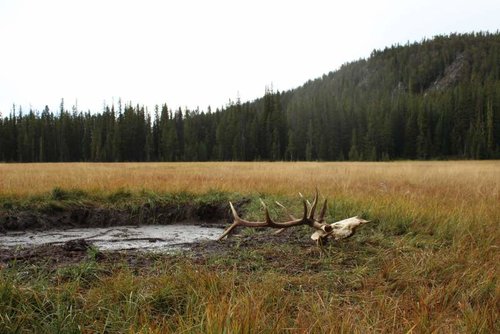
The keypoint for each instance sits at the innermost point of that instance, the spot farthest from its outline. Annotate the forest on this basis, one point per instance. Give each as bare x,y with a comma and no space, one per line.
434,99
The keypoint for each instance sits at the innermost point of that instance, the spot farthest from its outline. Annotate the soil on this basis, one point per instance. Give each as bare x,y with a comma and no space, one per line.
54,256
88,216
291,253
57,256
76,250
234,250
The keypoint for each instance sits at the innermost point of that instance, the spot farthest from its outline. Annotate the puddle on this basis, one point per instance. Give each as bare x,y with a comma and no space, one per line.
145,237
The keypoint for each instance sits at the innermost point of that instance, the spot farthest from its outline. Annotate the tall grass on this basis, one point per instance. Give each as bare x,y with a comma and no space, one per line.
463,194
199,299
428,263
411,179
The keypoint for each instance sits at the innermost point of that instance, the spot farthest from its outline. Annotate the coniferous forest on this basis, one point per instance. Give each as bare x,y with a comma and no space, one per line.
436,99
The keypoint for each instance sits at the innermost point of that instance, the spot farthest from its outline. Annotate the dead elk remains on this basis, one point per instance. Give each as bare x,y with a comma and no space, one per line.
323,231
427,262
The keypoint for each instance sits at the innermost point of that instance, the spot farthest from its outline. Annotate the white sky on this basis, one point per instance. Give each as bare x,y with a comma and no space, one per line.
197,53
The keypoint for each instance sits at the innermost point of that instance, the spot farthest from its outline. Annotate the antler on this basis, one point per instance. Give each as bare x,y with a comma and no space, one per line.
307,218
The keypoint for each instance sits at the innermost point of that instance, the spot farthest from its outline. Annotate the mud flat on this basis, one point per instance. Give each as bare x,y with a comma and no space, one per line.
66,235
146,237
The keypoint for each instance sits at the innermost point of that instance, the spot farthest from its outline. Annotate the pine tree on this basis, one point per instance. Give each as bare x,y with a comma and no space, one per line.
354,151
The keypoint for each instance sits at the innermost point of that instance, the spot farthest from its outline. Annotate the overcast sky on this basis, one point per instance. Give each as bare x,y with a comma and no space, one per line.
197,53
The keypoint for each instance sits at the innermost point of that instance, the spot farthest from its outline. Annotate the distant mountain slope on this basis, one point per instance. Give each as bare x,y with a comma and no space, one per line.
437,99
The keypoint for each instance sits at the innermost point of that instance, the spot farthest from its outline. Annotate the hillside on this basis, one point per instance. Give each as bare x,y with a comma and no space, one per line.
436,99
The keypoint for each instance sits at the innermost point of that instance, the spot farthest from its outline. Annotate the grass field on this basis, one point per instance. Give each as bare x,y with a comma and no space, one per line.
428,263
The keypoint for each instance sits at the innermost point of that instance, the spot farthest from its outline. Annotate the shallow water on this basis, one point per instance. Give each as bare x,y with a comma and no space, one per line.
145,237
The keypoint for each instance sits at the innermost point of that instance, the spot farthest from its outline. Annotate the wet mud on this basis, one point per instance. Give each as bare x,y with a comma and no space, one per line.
65,236
144,237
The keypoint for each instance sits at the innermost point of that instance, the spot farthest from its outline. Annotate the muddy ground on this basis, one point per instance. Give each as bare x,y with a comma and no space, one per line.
246,253
76,250
291,252
250,250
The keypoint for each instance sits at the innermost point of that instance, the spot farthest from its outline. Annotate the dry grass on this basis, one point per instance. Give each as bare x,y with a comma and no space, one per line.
470,182
470,189
479,179
429,263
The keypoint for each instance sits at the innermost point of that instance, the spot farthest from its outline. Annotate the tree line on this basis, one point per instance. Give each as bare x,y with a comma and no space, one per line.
436,99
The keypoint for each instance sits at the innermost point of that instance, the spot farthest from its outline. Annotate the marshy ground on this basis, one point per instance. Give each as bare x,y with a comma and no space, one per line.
427,263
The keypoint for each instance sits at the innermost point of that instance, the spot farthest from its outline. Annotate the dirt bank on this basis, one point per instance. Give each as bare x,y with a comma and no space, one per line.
72,216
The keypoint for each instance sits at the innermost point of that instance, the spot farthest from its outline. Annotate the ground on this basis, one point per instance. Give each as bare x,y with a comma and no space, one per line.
428,262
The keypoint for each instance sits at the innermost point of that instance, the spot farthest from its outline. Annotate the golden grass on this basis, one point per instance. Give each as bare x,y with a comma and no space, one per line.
438,273
468,188
462,180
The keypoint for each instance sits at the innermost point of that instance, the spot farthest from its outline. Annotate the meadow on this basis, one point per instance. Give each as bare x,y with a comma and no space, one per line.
428,262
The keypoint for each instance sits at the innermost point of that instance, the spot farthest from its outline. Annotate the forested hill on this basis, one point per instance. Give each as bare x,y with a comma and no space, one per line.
435,99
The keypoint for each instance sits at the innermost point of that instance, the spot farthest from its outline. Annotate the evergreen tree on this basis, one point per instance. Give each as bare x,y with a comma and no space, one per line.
438,98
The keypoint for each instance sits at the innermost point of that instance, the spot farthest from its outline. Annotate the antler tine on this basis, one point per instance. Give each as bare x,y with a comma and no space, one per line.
263,204
313,206
237,221
233,211
241,222
306,200
269,221
292,217
321,217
